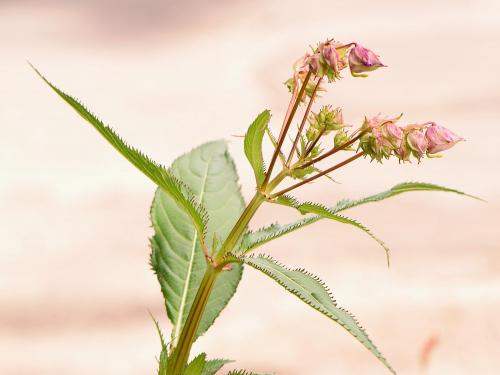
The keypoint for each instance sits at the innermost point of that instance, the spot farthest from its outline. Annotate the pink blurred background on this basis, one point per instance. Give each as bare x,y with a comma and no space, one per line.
75,285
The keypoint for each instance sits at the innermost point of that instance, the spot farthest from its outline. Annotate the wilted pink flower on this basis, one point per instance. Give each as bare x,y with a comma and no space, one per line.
439,138
363,60
417,142
314,63
332,56
392,133
301,66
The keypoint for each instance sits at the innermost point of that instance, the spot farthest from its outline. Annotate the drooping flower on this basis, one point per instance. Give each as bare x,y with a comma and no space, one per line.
440,138
334,55
362,60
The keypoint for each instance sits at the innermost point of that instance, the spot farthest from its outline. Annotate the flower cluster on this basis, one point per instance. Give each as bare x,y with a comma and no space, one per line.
324,122
381,137
331,57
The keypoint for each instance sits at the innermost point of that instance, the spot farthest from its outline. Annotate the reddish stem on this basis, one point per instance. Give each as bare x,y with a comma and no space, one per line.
299,132
337,166
284,130
332,151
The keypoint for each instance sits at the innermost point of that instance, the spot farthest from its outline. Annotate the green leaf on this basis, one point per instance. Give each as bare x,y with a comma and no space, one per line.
177,256
195,367
311,290
160,333
323,212
252,240
156,172
163,363
214,365
327,213
253,145
396,190
245,372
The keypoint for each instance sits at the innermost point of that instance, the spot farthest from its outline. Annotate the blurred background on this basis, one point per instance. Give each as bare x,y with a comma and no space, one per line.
75,284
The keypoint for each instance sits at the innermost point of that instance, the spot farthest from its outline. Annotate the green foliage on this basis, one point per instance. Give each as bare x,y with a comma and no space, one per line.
332,213
177,256
327,213
160,334
156,172
163,363
311,290
245,372
323,212
214,365
253,145
200,366
396,190
252,240
195,367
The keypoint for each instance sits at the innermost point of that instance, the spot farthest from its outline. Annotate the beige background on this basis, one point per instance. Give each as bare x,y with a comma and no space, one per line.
75,286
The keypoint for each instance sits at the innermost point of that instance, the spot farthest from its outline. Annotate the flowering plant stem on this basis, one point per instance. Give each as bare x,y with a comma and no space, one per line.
199,195
180,355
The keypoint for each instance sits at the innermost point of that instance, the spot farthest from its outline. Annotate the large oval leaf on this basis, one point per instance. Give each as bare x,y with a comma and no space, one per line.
176,255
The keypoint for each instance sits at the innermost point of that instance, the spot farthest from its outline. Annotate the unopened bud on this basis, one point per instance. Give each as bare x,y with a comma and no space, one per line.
363,60
440,138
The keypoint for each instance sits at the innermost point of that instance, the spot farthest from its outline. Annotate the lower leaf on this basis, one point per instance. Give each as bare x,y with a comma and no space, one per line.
311,290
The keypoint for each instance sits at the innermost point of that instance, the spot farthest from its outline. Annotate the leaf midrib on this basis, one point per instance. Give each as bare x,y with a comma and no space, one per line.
180,313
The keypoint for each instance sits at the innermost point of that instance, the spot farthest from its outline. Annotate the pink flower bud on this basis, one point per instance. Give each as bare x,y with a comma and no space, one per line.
392,133
415,142
439,138
363,60
381,137
332,56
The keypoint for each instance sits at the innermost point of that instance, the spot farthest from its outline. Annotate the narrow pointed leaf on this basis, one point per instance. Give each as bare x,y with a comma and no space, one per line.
327,213
252,240
311,290
160,334
253,145
195,367
323,212
163,363
396,190
156,172
177,256
214,365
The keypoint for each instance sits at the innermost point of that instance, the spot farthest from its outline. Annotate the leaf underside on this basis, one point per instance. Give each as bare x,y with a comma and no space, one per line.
311,290
176,255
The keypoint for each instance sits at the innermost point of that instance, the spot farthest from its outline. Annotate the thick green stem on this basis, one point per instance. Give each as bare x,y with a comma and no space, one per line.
179,358
240,226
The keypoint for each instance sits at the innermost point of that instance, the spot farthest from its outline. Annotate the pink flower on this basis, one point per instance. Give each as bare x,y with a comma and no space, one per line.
314,63
381,137
417,141
332,57
363,60
439,138
392,133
